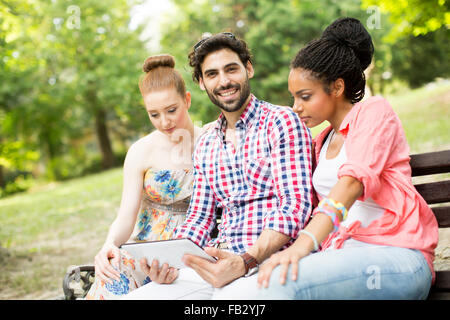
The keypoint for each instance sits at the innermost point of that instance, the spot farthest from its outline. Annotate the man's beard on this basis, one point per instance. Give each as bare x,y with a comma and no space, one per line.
234,106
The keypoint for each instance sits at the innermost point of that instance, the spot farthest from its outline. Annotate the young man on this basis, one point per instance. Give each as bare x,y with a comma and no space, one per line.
255,164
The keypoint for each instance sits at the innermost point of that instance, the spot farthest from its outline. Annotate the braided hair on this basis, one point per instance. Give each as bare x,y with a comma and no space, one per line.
344,51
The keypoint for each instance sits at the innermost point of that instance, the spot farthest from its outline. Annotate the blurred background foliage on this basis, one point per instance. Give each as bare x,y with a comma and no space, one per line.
69,99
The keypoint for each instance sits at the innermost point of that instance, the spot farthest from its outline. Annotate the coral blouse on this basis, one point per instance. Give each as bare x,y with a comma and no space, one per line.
378,156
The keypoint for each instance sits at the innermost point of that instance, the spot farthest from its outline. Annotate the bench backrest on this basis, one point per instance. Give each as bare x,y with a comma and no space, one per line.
436,192
437,195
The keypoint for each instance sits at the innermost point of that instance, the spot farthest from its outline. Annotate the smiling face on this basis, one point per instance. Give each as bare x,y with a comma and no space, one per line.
226,79
311,102
168,110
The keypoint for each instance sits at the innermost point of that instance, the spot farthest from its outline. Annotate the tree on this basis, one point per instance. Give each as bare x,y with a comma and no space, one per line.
414,17
421,59
104,56
68,67
418,38
15,153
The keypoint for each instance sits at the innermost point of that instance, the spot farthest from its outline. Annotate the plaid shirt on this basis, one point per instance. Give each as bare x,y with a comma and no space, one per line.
265,183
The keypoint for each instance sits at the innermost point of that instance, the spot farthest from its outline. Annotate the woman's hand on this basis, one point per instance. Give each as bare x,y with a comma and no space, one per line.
284,258
163,275
107,263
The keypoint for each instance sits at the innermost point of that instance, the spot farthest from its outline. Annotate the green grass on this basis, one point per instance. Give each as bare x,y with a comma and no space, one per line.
425,115
48,229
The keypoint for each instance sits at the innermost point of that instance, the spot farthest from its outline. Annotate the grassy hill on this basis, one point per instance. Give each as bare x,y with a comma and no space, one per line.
47,229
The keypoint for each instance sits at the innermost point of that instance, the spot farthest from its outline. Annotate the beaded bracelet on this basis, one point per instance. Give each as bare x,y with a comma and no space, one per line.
331,214
328,206
331,204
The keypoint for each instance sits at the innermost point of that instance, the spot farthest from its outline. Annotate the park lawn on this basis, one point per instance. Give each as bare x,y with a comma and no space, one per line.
48,229
425,116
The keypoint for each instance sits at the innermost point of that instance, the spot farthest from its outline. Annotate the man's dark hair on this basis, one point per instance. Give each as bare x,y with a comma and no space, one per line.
214,43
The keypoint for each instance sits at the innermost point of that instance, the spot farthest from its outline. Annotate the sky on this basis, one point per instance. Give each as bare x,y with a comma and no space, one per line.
150,13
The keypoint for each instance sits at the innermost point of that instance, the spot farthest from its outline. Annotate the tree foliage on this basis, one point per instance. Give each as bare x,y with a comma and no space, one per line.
274,30
418,31
421,59
69,69
414,17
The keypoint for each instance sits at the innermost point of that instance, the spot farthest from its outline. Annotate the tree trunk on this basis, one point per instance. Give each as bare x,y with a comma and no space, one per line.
2,178
101,128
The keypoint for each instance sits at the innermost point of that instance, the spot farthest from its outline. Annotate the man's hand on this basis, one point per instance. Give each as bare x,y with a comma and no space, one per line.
163,275
226,269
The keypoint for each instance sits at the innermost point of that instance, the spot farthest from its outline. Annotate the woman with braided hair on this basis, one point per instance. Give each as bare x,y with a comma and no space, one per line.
374,234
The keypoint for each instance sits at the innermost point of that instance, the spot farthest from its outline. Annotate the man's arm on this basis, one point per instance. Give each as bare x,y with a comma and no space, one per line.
201,215
268,242
229,266
292,171
291,167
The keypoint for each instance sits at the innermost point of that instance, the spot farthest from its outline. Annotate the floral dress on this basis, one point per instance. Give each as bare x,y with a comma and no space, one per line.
165,200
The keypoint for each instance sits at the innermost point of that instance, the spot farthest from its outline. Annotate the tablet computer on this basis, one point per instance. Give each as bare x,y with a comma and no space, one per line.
165,251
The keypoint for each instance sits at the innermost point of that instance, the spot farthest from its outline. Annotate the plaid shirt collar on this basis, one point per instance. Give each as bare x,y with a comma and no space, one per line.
246,117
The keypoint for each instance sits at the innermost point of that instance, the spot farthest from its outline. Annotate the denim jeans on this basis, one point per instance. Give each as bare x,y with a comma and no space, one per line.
369,272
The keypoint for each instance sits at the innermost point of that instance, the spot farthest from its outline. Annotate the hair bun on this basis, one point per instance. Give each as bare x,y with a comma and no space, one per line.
161,60
351,33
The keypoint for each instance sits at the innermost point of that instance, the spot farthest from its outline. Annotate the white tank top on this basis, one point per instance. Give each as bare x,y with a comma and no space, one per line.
324,179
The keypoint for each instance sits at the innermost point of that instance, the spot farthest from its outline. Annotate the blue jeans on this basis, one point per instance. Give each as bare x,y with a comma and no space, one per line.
372,272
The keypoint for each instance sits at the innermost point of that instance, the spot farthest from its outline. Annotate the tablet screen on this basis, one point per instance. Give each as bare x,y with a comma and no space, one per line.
165,251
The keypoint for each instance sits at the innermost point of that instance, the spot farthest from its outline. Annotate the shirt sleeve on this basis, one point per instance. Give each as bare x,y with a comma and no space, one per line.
372,136
201,215
291,167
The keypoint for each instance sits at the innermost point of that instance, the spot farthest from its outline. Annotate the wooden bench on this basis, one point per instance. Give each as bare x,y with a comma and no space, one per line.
435,194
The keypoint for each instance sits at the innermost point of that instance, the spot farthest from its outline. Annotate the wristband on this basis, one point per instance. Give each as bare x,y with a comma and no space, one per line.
340,207
250,264
327,206
332,215
330,204
316,245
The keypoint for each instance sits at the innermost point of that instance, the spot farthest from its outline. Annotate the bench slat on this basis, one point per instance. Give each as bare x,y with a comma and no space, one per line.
430,163
442,282
443,216
435,192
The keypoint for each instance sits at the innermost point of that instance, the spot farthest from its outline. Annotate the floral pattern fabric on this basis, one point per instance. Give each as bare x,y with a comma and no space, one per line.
165,200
